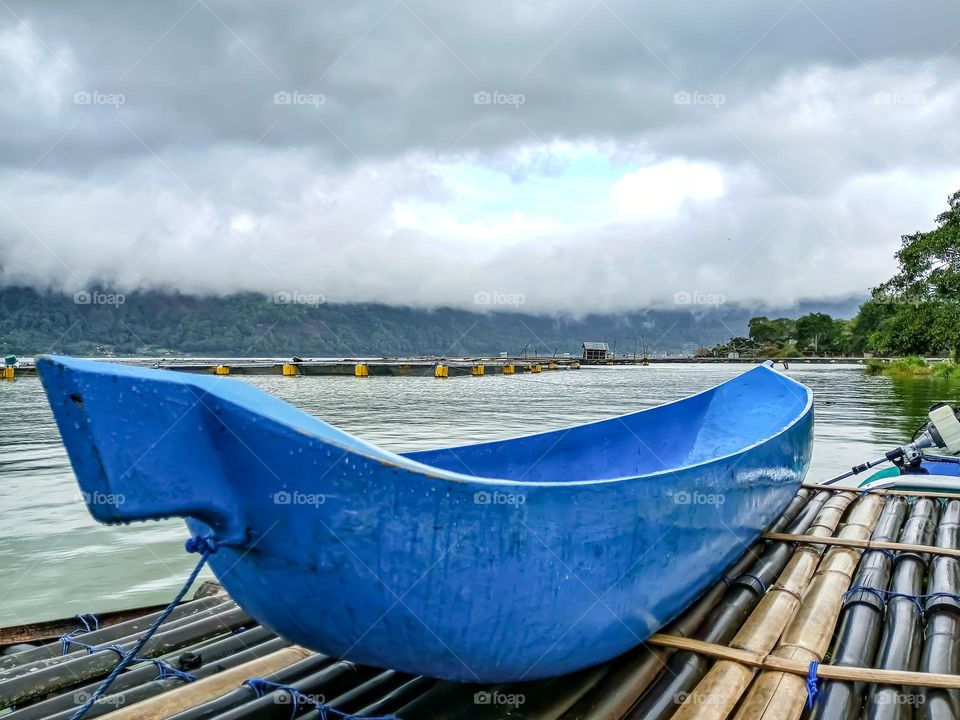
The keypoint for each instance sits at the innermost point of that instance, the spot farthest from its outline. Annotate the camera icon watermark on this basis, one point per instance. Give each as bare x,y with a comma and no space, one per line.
496,297
685,497
96,297
698,298
285,297
484,97
483,497
295,497
695,97
899,98
496,697
296,97
95,97
100,498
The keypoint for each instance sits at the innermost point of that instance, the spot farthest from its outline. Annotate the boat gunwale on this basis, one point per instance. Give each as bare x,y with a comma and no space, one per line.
402,462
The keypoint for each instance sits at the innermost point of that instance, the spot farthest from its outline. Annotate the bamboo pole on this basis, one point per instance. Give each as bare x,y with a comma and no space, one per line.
201,691
800,668
946,494
720,690
781,695
868,544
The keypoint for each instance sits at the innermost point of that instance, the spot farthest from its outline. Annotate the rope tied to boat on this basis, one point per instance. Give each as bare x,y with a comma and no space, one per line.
68,639
88,619
812,689
165,670
885,596
206,547
298,700
915,599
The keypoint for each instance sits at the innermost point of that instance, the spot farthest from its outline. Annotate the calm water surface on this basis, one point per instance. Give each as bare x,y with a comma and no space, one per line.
55,560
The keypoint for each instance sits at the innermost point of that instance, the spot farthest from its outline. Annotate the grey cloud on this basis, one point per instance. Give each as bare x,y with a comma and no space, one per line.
836,132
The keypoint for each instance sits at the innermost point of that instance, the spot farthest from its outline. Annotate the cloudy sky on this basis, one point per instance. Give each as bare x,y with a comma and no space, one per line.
592,155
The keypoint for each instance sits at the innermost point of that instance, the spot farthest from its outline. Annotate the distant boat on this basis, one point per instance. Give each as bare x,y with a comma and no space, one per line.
499,561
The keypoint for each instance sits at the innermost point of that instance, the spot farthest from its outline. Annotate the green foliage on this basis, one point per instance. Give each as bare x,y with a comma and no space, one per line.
922,301
772,332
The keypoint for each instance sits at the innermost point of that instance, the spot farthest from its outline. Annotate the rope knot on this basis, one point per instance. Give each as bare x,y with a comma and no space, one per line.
812,689
202,545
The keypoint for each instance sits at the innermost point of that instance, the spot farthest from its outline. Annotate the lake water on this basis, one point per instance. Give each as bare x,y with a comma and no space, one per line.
55,560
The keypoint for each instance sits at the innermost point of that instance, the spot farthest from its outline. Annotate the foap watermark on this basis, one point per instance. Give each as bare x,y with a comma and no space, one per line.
899,98
695,698
295,497
96,297
303,699
683,497
496,297
899,698
95,97
496,497
698,298
296,97
695,97
285,297
101,498
499,98
495,697
116,700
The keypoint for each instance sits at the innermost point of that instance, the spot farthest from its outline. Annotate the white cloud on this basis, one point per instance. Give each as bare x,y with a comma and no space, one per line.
659,191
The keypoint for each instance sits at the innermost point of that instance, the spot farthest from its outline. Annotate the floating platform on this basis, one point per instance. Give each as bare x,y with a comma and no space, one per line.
869,582
386,367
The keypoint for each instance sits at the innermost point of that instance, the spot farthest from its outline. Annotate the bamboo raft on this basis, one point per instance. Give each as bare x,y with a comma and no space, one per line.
851,600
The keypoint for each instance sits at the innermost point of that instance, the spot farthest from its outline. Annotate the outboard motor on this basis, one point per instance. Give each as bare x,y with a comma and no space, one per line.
941,431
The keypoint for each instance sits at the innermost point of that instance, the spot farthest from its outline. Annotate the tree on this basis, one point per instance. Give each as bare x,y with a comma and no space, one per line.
771,332
924,296
818,332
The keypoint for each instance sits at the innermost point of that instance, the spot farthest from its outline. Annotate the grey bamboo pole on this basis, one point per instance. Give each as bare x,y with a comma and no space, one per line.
941,650
858,635
900,646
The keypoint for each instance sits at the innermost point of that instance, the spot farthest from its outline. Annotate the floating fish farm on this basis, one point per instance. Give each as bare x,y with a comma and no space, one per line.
847,607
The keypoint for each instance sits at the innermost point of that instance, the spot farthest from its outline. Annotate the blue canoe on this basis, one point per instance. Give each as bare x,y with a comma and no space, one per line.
500,561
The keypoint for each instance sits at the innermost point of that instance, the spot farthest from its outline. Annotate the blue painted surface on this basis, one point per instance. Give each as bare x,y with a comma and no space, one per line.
501,561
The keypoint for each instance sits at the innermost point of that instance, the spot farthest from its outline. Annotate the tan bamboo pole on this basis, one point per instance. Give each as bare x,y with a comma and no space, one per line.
949,495
721,688
868,544
800,668
202,691
781,695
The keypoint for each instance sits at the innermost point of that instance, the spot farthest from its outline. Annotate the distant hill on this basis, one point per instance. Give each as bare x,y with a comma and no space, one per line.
249,324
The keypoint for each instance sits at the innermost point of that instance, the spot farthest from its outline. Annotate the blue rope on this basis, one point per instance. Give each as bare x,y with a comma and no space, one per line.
915,599
879,594
166,670
205,547
812,689
86,619
263,687
886,596
68,639
931,596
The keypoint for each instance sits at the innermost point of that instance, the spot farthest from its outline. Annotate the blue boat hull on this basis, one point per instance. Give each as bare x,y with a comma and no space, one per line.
501,561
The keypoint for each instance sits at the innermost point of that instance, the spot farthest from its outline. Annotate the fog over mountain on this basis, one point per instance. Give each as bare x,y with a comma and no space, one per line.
585,157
